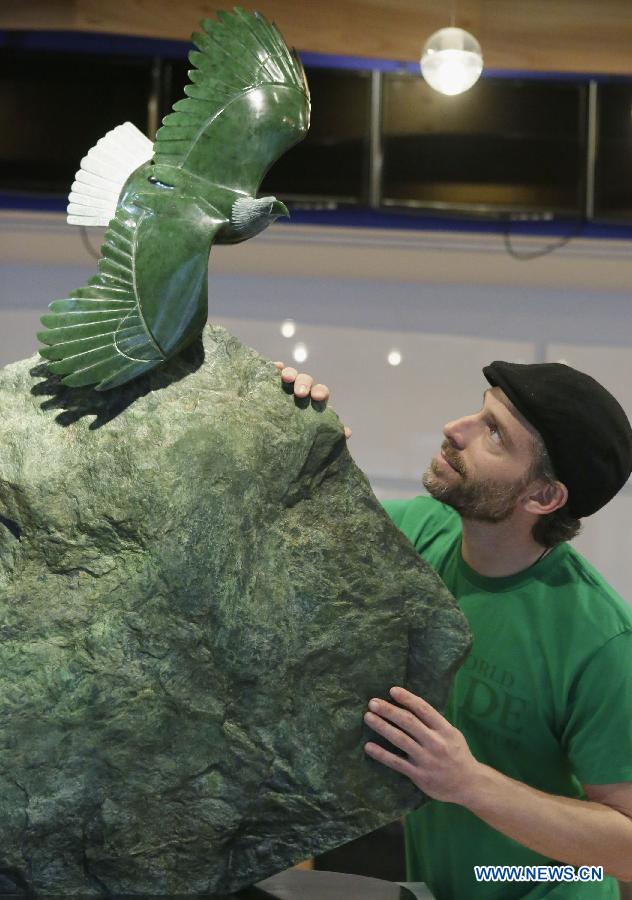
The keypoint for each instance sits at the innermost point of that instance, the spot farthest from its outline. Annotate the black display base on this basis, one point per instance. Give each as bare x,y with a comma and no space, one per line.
379,854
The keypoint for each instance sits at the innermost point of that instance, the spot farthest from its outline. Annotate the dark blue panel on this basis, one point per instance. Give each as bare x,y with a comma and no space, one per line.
369,218
98,43
34,202
104,44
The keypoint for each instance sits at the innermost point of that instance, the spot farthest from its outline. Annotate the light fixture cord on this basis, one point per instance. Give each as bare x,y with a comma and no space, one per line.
453,15
543,251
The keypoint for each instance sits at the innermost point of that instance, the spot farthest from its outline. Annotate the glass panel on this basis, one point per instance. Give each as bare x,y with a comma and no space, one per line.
503,145
54,108
613,170
332,161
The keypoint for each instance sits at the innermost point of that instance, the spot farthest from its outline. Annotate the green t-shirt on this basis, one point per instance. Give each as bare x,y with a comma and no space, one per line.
545,696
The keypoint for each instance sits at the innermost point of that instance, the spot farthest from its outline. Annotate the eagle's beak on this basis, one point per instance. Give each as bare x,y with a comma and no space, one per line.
280,209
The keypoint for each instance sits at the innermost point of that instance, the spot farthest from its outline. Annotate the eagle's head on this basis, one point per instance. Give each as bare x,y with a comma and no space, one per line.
277,208
249,215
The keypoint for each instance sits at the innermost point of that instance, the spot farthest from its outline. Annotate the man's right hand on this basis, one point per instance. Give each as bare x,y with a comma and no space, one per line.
304,386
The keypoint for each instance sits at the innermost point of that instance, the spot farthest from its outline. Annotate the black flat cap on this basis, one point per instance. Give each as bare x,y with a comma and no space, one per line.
585,431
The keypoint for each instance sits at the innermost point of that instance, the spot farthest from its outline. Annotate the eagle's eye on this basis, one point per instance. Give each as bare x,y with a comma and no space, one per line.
161,184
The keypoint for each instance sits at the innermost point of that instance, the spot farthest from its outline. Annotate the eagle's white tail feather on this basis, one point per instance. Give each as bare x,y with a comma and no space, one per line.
98,183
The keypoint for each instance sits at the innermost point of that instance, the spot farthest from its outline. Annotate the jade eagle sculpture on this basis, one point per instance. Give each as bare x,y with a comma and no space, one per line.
166,203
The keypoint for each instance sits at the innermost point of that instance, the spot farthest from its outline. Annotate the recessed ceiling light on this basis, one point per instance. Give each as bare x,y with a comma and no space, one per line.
394,358
299,353
288,328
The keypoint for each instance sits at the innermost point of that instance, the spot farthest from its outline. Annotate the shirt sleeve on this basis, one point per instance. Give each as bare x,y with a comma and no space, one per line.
597,735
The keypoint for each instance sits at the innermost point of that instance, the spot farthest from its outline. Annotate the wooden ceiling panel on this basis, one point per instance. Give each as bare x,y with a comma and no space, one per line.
541,35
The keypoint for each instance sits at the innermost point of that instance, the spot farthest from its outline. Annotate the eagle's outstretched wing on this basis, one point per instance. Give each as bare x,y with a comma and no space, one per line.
97,333
247,103
102,333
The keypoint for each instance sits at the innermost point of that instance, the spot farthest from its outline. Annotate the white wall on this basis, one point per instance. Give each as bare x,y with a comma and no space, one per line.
450,303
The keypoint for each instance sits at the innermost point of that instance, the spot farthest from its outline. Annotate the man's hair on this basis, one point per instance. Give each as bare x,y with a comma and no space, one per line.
559,526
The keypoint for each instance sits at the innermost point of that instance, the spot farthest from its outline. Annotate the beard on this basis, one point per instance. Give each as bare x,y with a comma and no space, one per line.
488,500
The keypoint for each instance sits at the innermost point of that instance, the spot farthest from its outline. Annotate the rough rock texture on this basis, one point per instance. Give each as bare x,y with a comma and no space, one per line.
198,595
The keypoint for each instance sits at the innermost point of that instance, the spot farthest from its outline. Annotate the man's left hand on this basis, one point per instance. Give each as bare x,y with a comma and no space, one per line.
438,760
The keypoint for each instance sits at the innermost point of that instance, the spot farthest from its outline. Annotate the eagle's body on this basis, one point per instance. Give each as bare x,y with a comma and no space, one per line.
247,104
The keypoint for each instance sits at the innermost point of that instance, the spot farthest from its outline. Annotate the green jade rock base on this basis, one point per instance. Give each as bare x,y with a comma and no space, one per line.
199,593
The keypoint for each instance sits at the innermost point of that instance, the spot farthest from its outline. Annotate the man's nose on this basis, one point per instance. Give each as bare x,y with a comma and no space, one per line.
459,431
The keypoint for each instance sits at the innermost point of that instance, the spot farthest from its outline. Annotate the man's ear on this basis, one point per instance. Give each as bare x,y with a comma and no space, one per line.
545,497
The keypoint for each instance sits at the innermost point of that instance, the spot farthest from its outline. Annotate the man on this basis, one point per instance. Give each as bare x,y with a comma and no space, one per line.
532,762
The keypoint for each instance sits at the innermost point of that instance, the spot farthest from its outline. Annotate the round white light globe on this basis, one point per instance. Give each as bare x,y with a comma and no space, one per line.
394,358
299,353
288,328
451,61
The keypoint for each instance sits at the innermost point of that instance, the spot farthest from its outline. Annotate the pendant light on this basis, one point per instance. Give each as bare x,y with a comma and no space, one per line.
451,60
